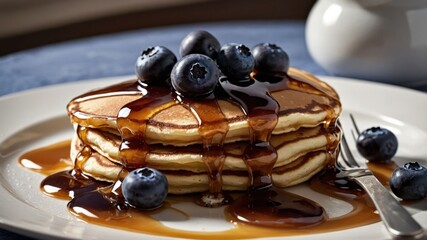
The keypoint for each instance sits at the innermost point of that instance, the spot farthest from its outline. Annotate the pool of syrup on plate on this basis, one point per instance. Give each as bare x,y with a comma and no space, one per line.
363,212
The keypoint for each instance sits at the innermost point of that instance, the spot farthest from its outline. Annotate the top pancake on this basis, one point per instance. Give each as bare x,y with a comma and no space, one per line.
304,101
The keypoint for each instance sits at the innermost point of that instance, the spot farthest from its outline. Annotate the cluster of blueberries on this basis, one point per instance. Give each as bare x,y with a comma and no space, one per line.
203,61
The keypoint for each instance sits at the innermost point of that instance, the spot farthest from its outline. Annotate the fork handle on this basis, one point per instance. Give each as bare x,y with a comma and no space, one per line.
397,220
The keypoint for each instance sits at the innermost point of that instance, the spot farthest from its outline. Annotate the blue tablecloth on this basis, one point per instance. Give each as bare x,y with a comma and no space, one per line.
115,55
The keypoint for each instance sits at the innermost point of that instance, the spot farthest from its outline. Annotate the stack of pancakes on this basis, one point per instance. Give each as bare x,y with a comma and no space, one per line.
305,137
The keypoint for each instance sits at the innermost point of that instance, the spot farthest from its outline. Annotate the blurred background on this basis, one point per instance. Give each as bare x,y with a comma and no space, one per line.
26,24
377,40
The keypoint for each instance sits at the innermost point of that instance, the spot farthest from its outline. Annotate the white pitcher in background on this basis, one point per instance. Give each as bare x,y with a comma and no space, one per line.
380,40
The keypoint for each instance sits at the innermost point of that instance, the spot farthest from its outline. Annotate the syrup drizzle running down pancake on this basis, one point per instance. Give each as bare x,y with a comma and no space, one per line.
262,112
213,129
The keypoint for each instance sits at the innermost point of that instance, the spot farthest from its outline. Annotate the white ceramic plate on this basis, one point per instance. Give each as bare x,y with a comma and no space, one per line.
37,118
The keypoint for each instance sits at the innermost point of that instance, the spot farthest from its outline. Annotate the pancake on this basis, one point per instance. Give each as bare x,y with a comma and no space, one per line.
289,146
177,125
296,170
285,120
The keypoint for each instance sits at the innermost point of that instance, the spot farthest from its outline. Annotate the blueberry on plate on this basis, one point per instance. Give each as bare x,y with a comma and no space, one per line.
145,188
155,65
195,75
377,144
270,58
236,61
200,42
409,182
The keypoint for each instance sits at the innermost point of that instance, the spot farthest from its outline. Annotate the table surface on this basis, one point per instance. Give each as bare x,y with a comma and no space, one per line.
115,55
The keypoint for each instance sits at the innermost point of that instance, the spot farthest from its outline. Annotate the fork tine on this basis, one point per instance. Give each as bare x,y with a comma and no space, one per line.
351,161
354,126
346,152
356,129
340,164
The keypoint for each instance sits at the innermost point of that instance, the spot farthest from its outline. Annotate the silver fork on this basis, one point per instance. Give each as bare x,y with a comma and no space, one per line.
396,219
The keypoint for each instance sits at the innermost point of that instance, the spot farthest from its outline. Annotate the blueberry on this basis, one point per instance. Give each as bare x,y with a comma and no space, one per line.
200,42
377,144
145,188
409,182
195,75
236,61
155,65
270,58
